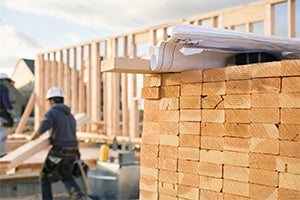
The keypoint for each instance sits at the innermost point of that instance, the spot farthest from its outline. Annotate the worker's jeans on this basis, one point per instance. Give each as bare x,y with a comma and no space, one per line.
55,171
3,137
70,185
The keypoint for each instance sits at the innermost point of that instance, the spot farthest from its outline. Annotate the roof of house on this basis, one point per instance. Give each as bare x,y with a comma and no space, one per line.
30,64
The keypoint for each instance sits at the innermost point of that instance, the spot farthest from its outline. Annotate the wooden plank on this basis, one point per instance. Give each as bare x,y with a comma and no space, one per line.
186,153
257,191
189,140
26,113
289,181
170,91
213,75
169,104
263,177
188,179
153,80
213,88
150,93
236,173
264,145
187,192
236,187
263,161
210,183
238,73
211,169
168,176
15,158
127,65
107,138
241,101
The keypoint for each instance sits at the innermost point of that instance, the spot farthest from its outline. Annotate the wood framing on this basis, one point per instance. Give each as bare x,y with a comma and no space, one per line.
120,54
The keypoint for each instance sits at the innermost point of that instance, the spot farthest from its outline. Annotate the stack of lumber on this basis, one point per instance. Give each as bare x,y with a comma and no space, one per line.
225,133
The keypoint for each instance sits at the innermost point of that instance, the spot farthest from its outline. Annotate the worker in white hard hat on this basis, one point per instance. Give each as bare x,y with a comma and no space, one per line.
6,111
60,160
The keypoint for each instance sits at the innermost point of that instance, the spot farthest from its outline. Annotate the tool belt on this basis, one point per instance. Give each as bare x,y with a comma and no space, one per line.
65,152
59,163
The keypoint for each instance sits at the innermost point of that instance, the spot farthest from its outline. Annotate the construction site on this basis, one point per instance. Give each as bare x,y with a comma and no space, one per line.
212,113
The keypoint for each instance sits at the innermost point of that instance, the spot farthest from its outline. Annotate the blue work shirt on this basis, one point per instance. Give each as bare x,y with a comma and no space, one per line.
63,125
5,103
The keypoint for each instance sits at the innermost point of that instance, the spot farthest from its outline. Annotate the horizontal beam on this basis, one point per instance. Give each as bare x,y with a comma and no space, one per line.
127,65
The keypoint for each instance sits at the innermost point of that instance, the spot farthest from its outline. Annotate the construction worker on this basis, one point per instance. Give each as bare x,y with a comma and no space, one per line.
60,159
6,111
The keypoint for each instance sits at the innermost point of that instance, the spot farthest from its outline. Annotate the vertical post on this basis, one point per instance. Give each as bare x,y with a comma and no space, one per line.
249,27
165,34
95,84
89,86
81,84
199,22
67,74
54,70
153,37
269,19
106,108
61,70
291,18
47,74
112,92
124,85
109,102
214,21
134,114
116,93
39,90
74,83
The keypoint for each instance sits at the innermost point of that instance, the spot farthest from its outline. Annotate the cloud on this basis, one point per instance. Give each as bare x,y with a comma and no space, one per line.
73,37
120,15
15,45
98,15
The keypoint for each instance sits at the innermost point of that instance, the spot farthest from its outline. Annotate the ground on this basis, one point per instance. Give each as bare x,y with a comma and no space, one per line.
38,197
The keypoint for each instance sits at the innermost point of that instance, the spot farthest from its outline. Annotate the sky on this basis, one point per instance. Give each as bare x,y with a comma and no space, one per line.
28,27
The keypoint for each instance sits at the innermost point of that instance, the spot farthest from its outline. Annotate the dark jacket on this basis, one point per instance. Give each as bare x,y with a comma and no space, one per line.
5,103
63,125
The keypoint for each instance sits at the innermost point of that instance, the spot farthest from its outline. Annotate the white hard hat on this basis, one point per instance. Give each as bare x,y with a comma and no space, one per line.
55,92
4,76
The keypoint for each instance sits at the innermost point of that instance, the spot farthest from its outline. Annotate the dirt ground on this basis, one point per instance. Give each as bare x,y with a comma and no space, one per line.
38,197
